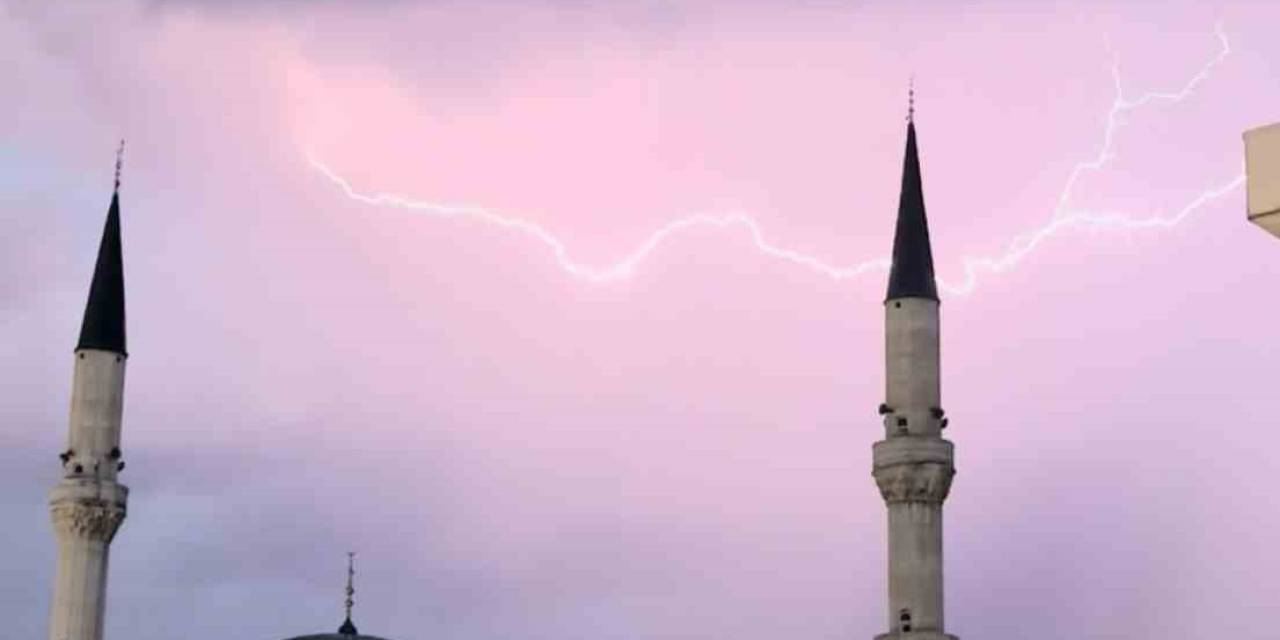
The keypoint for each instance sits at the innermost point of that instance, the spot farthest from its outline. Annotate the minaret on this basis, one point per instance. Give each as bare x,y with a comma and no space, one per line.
88,504
913,464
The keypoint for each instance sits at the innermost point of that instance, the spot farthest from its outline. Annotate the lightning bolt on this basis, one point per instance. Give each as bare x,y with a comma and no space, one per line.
1064,218
620,269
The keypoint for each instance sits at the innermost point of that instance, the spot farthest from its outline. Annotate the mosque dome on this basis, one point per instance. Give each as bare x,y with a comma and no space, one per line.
336,636
346,632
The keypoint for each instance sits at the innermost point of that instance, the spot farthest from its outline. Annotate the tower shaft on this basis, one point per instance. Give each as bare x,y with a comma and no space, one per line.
913,467
88,505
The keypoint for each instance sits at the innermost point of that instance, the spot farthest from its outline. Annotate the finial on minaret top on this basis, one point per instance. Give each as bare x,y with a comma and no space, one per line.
348,628
119,162
910,100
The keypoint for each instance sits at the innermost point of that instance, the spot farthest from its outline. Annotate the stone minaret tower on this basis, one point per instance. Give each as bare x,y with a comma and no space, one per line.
913,464
88,504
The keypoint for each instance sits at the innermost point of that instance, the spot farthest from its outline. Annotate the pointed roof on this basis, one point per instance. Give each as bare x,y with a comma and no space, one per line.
911,275
103,326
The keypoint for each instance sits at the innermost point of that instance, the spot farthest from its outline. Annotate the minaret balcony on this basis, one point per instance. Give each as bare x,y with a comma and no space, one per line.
913,469
89,490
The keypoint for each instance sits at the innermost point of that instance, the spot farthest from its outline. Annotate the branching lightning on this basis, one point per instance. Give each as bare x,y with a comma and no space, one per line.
1064,218
619,269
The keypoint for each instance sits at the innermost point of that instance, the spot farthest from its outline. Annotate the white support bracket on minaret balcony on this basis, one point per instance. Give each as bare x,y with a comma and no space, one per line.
1262,170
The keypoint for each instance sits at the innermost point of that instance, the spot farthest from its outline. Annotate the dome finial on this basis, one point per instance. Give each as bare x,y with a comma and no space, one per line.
351,575
348,628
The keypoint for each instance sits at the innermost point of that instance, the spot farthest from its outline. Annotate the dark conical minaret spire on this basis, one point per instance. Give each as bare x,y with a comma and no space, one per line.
911,275
103,326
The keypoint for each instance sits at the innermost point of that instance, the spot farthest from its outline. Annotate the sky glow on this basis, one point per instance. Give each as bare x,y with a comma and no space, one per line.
607,367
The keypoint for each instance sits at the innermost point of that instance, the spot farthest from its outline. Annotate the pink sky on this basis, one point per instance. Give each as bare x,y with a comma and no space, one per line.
517,453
